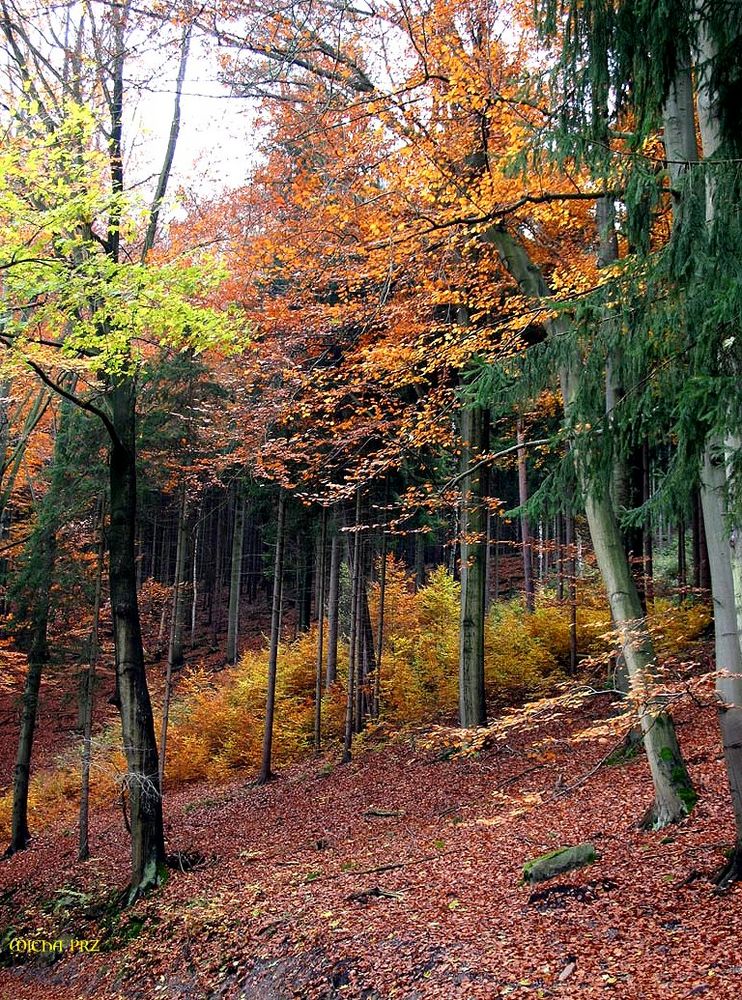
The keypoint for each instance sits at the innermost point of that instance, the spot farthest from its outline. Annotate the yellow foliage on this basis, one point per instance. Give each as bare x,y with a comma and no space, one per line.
216,724
54,793
674,625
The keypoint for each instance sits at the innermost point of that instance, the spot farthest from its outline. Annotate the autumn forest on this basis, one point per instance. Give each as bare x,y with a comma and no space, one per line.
370,511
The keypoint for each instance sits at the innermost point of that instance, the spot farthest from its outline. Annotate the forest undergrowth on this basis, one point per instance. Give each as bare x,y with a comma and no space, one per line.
399,874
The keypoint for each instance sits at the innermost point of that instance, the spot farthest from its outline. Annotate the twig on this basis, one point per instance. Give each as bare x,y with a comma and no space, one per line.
580,781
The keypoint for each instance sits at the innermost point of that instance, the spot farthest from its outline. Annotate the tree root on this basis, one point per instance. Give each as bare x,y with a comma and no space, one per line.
730,873
656,818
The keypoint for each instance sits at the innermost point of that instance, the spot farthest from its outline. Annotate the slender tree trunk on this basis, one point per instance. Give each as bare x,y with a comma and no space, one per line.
682,562
354,632
360,634
376,710
496,586
525,528
45,543
266,773
83,852
320,632
721,531
235,581
419,560
701,574
488,563
369,659
304,594
474,434
43,551
333,618
569,540
215,614
175,644
727,638
153,551
647,533
140,747
199,530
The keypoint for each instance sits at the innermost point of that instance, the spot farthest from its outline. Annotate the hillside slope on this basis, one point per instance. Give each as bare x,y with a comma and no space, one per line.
398,876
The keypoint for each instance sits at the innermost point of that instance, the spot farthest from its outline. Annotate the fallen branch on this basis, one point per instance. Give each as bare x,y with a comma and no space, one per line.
375,893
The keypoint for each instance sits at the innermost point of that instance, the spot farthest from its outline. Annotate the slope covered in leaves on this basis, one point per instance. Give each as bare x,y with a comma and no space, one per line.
399,876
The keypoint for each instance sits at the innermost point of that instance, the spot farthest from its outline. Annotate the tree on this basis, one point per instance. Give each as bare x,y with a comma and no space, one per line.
76,300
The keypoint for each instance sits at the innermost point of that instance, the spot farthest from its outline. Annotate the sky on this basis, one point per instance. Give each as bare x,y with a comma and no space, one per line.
217,145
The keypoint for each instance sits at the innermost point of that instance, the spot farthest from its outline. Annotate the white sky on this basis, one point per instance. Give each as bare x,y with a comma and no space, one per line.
218,137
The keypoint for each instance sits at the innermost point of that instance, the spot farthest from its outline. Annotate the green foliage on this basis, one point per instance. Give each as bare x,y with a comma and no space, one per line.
69,301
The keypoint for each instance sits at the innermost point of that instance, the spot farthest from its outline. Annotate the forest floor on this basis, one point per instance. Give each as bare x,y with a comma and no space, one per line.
399,876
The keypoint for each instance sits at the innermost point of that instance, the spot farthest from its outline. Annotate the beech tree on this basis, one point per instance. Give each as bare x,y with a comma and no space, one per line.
76,300
677,65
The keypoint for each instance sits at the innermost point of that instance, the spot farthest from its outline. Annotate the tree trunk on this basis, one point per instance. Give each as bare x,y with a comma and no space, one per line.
320,632
235,580
333,618
674,794
488,562
682,561
716,492
727,637
199,530
265,769
569,541
354,633
365,701
304,595
474,435
137,724
175,644
525,529
376,708
496,561
215,605
43,551
45,544
648,557
87,745
419,560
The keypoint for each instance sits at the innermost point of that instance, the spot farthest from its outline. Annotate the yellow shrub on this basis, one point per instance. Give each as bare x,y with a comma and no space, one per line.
517,663
216,723
54,793
675,625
